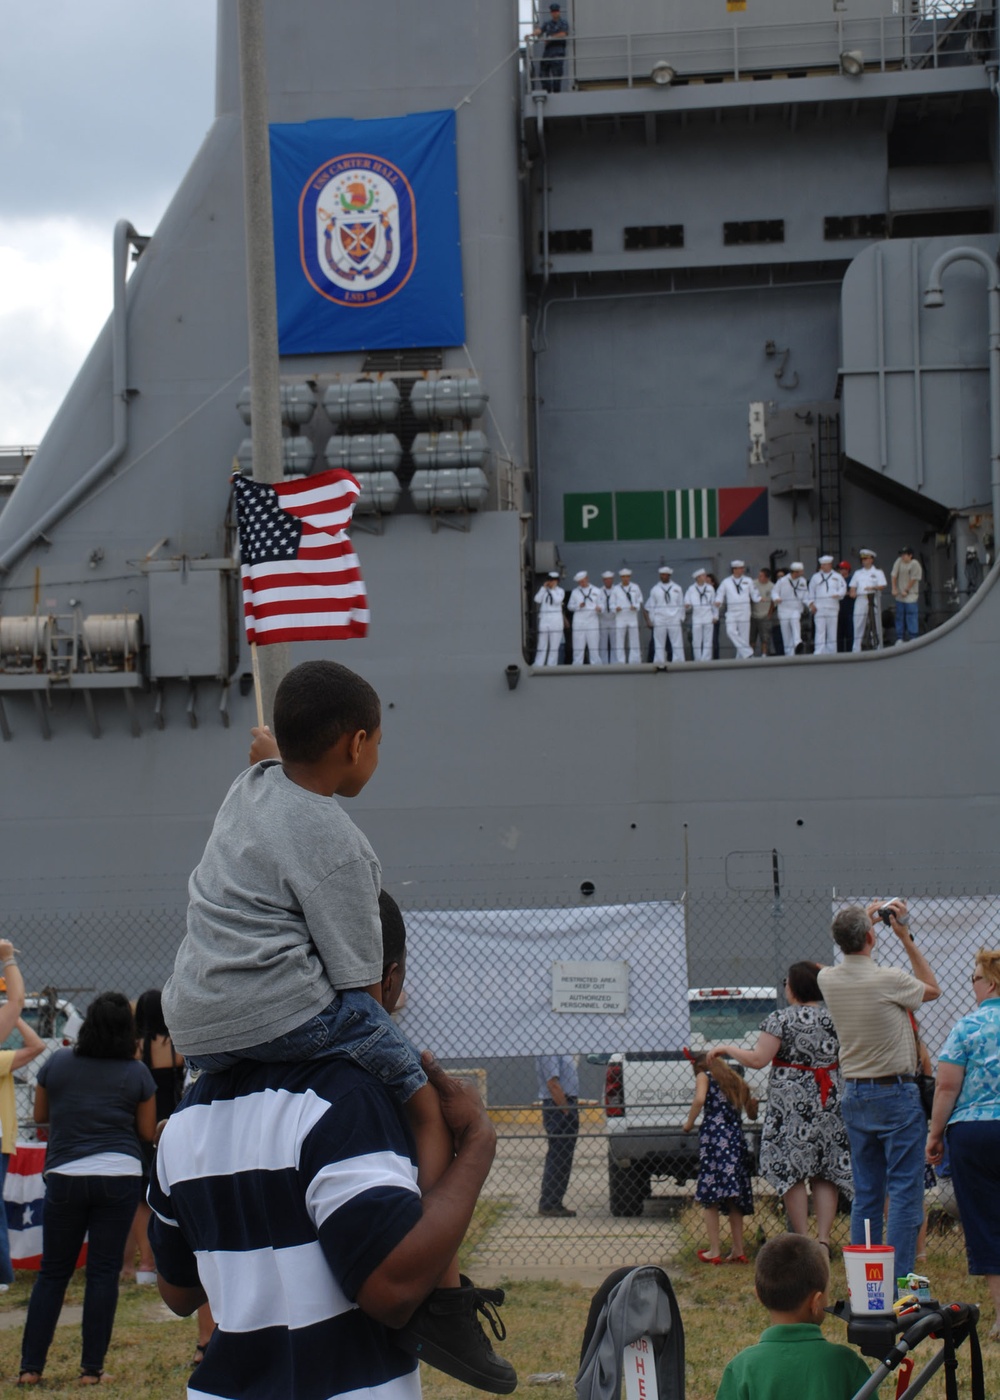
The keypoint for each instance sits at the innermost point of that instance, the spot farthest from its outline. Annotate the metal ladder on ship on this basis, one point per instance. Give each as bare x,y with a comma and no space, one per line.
830,469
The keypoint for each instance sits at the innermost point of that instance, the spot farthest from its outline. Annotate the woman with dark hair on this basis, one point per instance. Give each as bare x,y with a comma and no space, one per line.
156,1051
803,1139
99,1103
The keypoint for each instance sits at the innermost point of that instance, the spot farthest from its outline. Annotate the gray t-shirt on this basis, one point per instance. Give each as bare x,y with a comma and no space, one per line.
283,912
92,1106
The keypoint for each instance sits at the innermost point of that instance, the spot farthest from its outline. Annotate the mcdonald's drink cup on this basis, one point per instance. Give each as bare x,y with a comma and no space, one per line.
870,1276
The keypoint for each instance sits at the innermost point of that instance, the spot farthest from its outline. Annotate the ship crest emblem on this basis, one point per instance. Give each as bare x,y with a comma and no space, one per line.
358,230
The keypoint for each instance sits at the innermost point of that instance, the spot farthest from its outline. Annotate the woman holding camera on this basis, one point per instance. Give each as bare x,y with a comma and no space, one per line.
100,1103
967,1106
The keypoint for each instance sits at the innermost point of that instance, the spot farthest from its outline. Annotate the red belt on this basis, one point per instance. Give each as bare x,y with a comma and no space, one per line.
821,1073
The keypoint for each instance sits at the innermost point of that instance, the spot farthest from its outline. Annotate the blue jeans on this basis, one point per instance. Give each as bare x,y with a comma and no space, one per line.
353,1026
561,1127
887,1131
104,1206
907,625
6,1272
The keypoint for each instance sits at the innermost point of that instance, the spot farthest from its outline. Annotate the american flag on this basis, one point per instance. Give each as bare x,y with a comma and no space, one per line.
301,580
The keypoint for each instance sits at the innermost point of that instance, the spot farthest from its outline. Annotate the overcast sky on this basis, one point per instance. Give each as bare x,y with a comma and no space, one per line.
103,105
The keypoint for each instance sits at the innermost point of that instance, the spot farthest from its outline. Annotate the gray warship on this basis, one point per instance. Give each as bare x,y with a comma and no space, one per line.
728,288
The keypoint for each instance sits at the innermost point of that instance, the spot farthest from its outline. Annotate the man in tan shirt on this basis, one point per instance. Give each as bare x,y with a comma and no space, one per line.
886,1125
907,576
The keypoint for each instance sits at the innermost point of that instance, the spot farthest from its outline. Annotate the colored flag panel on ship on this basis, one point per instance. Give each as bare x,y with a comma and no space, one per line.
743,510
301,580
694,514
366,234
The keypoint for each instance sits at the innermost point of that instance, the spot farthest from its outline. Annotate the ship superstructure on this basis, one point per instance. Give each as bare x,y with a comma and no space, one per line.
693,283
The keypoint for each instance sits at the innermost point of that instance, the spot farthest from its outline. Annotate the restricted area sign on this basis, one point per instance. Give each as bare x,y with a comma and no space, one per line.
592,987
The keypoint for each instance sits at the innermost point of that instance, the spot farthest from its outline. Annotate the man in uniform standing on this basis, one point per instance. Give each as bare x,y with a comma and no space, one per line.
558,1089
790,593
700,598
825,592
907,576
866,590
555,32
551,623
626,600
665,613
737,592
606,634
585,605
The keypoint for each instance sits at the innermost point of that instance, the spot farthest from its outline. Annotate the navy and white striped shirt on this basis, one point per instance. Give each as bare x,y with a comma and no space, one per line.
281,1188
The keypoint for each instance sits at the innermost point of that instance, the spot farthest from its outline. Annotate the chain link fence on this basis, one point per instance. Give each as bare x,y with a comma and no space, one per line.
621,986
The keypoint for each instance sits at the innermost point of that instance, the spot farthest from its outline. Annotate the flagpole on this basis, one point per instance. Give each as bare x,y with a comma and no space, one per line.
265,382
255,664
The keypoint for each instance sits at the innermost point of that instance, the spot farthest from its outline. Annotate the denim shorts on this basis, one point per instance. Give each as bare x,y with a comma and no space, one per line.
354,1027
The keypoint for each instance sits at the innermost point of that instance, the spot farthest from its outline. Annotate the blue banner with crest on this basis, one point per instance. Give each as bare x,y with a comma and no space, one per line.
366,234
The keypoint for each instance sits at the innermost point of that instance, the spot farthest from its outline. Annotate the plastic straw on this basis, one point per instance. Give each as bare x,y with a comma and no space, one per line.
868,1234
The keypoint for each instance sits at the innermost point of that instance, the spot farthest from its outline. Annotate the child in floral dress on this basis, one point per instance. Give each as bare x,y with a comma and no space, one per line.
723,1173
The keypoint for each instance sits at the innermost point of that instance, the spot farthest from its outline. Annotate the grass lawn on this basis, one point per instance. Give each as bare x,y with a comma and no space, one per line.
151,1350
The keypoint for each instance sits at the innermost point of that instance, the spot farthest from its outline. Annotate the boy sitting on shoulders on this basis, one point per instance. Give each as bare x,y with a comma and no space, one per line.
282,958
793,1360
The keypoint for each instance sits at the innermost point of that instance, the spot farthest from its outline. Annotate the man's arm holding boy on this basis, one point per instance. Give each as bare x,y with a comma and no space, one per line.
408,1273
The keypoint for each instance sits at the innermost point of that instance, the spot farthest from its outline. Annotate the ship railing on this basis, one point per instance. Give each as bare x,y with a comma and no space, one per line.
928,35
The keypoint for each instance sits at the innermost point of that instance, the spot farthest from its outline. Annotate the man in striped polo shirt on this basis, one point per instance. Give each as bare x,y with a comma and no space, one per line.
886,1124
285,1195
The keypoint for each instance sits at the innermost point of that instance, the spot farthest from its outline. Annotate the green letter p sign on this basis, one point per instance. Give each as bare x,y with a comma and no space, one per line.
588,517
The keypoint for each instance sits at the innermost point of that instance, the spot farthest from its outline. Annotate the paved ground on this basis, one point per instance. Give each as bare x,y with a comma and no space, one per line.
585,1249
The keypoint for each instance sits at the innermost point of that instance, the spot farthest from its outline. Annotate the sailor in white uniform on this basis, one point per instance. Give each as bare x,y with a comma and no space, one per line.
865,582
665,613
606,636
791,594
626,600
585,605
738,592
550,621
700,598
826,589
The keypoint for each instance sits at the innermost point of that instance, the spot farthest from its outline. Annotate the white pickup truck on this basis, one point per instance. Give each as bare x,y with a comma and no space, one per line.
647,1094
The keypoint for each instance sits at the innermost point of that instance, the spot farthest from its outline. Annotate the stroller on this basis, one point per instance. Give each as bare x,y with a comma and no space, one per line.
634,1334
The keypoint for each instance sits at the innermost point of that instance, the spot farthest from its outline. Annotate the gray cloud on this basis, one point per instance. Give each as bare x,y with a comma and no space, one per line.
102,105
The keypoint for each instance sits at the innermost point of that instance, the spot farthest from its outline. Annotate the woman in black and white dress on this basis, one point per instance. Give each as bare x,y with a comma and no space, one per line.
804,1141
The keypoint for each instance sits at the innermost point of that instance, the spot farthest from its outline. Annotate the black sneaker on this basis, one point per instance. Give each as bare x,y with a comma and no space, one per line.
446,1333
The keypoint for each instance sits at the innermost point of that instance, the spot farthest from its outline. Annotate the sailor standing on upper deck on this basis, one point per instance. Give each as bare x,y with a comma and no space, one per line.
626,600
606,637
551,622
791,595
585,604
825,592
665,612
867,582
555,32
700,598
738,592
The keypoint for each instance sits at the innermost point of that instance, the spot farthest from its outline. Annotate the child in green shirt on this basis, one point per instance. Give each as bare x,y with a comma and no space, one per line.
793,1360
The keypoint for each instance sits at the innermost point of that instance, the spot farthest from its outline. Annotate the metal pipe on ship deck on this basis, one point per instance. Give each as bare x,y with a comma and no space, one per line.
934,297
124,237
